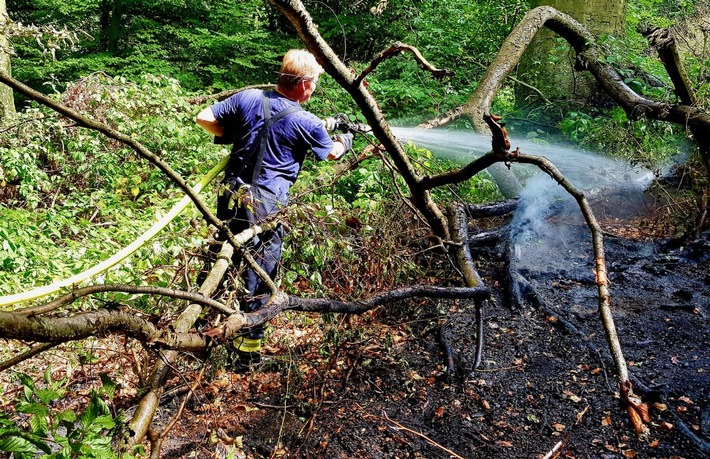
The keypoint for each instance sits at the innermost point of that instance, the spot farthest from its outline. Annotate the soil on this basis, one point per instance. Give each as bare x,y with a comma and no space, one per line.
376,386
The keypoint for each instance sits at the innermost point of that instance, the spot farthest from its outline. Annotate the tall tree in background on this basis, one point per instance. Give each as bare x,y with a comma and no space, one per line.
7,105
220,44
549,61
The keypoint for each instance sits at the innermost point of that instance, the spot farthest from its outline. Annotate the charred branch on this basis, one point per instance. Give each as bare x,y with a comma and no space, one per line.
492,210
396,49
281,302
447,347
458,225
488,237
634,406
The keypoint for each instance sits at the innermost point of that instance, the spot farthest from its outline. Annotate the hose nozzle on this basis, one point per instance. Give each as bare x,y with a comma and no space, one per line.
342,123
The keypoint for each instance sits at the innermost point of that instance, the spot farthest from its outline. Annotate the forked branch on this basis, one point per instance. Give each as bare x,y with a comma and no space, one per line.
396,49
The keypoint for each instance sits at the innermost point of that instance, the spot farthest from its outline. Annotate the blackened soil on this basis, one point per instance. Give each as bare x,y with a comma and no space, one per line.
377,386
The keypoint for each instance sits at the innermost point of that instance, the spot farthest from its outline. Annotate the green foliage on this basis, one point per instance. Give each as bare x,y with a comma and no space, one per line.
219,44
647,142
83,197
459,35
41,430
606,128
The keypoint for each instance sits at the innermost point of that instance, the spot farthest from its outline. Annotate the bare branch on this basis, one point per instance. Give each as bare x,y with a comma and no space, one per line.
142,290
665,45
281,302
139,148
396,49
28,354
80,326
199,100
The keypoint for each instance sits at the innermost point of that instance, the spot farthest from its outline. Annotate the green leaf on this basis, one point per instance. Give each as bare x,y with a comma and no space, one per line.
16,444
66,416
108,385
47,395
33,408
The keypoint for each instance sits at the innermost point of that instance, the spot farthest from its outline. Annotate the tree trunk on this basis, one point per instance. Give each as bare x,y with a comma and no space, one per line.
7,104
553,63
111,23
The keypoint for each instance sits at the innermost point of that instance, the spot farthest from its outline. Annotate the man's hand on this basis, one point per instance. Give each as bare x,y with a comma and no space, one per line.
346,139
341,144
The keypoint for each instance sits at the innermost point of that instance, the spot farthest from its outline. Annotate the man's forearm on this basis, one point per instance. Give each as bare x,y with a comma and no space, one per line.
209,123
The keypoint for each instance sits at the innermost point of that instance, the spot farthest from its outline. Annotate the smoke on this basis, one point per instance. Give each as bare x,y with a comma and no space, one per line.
545,229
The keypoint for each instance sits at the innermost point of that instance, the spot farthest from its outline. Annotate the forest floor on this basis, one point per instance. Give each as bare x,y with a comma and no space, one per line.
377,386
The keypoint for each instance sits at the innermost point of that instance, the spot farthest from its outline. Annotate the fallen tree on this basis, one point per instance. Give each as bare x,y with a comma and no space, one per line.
37,323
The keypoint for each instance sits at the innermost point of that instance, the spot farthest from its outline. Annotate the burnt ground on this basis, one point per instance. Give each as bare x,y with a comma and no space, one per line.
376,386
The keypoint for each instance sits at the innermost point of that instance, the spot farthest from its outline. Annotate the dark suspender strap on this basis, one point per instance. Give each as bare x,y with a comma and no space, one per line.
264,138
260,142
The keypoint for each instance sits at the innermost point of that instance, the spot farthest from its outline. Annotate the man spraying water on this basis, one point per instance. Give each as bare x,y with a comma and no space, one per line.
271,134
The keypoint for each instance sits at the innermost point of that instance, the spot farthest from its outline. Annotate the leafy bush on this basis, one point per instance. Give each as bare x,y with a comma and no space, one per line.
646,142
39,428
81,196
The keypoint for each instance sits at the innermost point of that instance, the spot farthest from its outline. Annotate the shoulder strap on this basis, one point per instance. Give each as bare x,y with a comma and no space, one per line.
261,140
264,138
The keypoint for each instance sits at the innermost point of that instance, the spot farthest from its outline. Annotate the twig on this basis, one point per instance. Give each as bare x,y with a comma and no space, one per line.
421,435
28,354
157,442
396,49
553,450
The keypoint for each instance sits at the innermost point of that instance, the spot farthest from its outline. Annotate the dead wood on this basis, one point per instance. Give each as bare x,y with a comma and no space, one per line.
282,302
28,354
634,406
396,49
458,225
148,405
663,41
492,210
63,329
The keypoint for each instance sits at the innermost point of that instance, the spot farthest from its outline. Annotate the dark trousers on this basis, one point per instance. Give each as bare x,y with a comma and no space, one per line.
255,206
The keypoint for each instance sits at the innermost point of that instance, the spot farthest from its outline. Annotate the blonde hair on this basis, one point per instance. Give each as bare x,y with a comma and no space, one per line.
298,65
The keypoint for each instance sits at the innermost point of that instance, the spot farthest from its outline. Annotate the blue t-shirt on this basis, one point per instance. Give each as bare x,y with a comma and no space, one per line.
288,140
